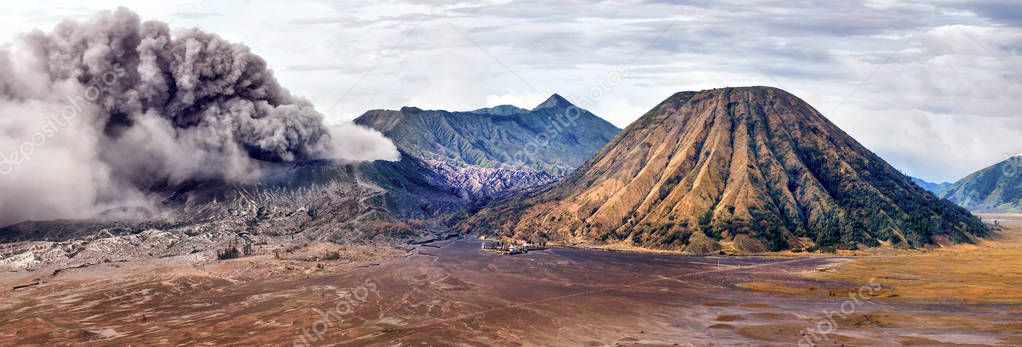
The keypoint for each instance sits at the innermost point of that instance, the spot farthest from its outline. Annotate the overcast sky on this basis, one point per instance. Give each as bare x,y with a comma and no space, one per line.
931,86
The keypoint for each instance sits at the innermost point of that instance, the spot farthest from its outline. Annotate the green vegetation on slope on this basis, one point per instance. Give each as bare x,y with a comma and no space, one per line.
996,188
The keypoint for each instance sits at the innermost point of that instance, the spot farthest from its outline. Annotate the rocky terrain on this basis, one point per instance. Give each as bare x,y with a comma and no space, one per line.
996,188
492,151
748,169
384,202
485,183
293,204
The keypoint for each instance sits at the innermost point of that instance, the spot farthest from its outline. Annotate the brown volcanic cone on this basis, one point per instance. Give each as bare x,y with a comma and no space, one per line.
756,167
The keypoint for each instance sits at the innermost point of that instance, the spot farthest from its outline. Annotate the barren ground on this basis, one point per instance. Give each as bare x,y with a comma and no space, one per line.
450,293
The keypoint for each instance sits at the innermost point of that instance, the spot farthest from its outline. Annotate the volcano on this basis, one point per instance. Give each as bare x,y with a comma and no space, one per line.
748,169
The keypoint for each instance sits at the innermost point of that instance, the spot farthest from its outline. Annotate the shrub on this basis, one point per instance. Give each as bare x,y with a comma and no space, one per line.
230,253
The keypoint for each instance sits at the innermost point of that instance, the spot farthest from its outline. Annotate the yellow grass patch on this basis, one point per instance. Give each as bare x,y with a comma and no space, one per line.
987,272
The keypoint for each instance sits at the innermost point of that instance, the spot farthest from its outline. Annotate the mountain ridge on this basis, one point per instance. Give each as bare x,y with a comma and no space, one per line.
997,188
504,146
935,188
753,168
502,110
554,101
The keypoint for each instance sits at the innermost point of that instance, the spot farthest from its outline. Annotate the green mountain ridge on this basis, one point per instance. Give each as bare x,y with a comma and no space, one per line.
997,188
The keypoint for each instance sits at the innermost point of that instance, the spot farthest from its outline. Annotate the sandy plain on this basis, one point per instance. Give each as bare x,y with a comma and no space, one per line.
452,293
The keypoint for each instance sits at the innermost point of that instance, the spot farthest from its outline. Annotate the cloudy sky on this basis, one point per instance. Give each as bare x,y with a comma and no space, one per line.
931,86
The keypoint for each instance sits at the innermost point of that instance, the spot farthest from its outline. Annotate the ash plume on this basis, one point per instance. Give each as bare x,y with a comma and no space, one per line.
94,115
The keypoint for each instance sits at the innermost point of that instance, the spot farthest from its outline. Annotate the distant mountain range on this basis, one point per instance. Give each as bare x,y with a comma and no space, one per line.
935,188
491,151
748,169
996,188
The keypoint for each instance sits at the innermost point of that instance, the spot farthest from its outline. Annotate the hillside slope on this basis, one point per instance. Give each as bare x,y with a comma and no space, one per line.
555,137
996,188
750,168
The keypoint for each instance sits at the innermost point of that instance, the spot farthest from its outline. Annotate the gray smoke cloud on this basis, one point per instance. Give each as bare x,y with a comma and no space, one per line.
93,115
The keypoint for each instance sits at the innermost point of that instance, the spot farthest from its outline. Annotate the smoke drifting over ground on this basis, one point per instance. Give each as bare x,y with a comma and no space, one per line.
94,115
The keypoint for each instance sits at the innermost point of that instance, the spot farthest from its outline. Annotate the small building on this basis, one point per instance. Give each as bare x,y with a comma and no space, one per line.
505,248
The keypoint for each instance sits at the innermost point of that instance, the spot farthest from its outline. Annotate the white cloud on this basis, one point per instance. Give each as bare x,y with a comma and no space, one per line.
938,105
